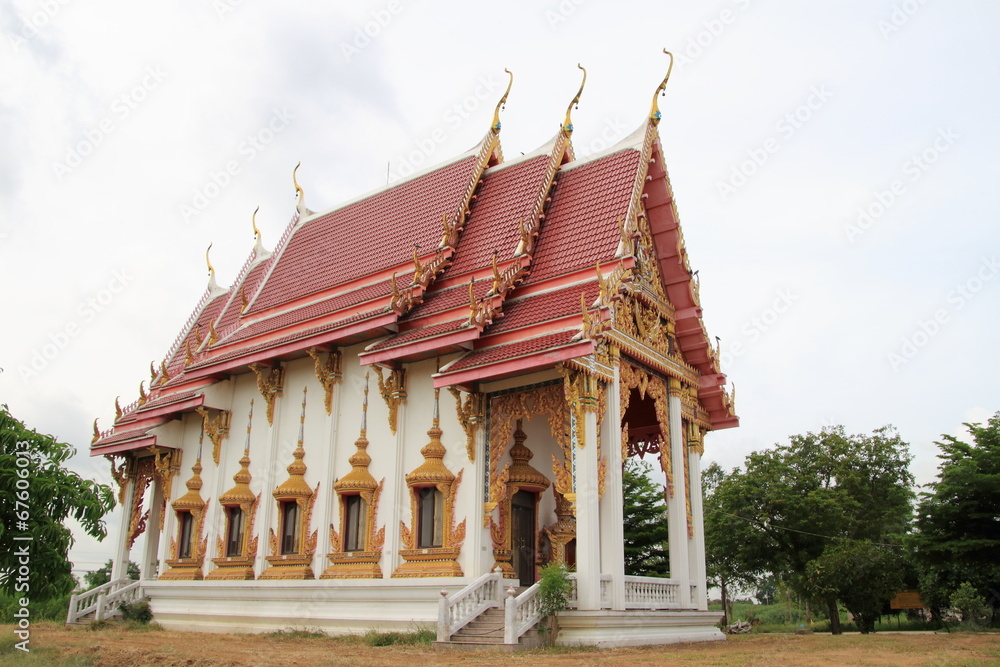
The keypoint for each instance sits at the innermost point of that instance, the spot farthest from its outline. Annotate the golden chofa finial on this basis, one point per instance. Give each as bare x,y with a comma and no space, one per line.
502,103
299,192
253,222
208,262
654,110
567,126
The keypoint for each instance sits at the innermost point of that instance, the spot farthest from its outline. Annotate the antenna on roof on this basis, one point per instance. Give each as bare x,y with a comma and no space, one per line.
567,125
654,110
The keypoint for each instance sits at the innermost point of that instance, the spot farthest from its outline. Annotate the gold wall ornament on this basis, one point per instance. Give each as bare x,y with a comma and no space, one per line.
270,380
432,560
640,441
189,568
164,375
188,356
216,426
563,531
166,463
393,392
519,475
471,413
654,109
239,566
297,564
119,472
567,124
329,372
142,475
361,563
581,391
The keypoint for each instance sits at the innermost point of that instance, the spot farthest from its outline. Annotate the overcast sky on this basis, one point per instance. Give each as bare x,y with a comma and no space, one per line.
832,162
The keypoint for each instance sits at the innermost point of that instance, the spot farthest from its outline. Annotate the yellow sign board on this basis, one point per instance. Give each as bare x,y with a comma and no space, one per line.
906,600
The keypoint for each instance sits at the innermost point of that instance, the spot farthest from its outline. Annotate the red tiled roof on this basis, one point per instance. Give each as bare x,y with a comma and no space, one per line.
160,401
508,194
123,436
420,333
521,348
208,314
231,316
367,236
537,308
589,197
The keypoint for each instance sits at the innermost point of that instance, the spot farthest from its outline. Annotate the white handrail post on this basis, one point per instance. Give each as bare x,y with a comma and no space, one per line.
71,613
498,585
444,631
510,612
99,612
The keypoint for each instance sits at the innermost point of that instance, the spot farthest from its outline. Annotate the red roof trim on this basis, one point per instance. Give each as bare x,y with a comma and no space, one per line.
127,446
515,366
405,350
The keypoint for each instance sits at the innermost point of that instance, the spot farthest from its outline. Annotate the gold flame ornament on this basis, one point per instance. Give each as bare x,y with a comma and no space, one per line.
567,125
654,110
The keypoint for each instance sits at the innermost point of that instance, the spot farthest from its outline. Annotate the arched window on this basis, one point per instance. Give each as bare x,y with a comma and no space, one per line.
234,531
186,522
289,527
430,517
355,515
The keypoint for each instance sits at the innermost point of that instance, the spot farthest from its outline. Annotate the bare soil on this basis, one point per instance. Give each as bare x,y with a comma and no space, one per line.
53,644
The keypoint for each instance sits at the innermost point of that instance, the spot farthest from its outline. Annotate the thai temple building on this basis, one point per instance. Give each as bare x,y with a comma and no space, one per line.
417,399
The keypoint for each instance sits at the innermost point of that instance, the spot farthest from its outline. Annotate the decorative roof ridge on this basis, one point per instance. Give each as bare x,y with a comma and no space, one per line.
543,150
634,141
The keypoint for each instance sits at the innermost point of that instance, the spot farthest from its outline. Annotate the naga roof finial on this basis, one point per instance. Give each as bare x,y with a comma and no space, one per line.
567,125
208,262
253,222
502,103
654,110
300,194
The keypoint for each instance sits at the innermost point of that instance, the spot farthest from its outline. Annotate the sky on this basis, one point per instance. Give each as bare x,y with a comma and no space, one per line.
832,164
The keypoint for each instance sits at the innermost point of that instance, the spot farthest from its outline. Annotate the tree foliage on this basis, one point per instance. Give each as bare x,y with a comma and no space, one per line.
861,575
645,528
102,575
35,503
791,503
957,528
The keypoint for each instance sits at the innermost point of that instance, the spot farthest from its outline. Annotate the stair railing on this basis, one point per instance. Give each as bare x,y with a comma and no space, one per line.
521,613
103,600
459,609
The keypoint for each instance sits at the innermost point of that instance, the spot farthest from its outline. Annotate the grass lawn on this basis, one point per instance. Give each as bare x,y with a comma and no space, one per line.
54,644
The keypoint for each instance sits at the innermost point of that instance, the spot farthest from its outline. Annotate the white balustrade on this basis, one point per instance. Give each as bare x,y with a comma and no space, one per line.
458,610
651,593
103,600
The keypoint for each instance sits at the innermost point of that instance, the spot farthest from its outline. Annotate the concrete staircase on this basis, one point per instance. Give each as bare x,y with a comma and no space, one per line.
486,632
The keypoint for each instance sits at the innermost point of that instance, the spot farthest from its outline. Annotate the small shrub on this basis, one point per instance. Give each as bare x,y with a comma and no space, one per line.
971,605
139,612
554,588
420,637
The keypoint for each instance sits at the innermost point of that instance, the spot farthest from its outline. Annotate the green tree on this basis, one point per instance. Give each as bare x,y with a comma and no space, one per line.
645,526
37,495
782,511
956,534
859,574
102,575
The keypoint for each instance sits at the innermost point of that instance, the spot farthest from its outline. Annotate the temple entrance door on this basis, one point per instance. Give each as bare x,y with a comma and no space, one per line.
522,510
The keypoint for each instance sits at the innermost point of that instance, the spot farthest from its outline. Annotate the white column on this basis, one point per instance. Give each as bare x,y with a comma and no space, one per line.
588,528
479,536
397,500
676,506
328,509
696,546
152,543
118,565
612,512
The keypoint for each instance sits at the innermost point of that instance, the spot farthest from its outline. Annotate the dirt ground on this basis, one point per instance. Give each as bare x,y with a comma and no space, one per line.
53,644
